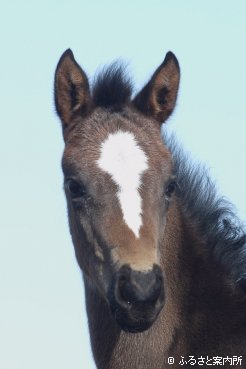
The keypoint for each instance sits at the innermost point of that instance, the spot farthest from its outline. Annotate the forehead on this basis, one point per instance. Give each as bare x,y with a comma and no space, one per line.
119,152
84,145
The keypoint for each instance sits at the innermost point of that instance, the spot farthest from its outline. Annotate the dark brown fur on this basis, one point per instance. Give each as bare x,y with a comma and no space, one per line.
204,310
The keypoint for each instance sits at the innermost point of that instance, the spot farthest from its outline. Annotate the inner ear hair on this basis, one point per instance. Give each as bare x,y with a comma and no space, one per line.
72,96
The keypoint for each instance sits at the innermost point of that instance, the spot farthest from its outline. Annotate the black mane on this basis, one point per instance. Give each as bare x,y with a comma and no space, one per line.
213,216
112,88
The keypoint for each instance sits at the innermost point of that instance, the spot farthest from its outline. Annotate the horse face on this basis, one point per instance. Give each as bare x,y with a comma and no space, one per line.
118,184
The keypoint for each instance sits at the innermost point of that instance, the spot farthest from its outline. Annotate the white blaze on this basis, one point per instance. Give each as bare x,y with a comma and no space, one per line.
125,161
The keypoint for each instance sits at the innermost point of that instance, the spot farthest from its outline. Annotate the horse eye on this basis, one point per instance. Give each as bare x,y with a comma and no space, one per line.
170,188
76,190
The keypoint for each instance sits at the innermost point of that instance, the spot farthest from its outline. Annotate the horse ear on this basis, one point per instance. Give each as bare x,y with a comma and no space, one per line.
72,96
158,97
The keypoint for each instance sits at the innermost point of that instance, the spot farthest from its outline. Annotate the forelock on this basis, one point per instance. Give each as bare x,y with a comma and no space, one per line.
112,88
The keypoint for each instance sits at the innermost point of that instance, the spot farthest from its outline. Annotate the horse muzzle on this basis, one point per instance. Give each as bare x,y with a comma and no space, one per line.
136,298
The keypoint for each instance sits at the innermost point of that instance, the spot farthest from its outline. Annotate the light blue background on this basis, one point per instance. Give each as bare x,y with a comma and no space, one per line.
42,317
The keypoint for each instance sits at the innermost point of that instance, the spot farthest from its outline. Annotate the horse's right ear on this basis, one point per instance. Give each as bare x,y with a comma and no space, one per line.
72,95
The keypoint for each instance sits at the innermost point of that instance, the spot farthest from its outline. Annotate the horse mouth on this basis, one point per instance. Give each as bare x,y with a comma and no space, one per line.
135,319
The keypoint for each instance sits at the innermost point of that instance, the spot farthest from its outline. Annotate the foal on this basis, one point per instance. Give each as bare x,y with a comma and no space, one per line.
163,259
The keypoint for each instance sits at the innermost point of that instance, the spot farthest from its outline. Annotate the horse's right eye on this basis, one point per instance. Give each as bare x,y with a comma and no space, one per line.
76,189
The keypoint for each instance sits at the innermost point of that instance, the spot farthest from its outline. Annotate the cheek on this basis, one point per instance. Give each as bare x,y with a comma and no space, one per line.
154,212
162,227
163,210
82,236
156,220
91,257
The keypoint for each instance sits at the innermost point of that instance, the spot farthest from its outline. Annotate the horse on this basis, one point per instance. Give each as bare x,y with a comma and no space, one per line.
162,256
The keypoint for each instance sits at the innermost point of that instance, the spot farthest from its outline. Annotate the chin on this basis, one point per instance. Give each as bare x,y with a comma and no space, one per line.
134,321
135,327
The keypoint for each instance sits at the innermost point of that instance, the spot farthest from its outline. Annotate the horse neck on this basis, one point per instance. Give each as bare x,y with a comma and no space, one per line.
201,294
193,277
180,256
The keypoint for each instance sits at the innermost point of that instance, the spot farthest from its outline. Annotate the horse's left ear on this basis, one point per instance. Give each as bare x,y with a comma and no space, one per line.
158,97
72,95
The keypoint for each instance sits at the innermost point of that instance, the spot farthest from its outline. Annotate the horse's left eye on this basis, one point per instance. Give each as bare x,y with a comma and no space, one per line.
171,187
75,189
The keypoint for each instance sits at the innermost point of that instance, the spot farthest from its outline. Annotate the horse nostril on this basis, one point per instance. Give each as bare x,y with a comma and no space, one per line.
126,290
134,287
122,286
159,281
122,280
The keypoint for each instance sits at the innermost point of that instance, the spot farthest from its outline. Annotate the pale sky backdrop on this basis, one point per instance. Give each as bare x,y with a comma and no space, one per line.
42,317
